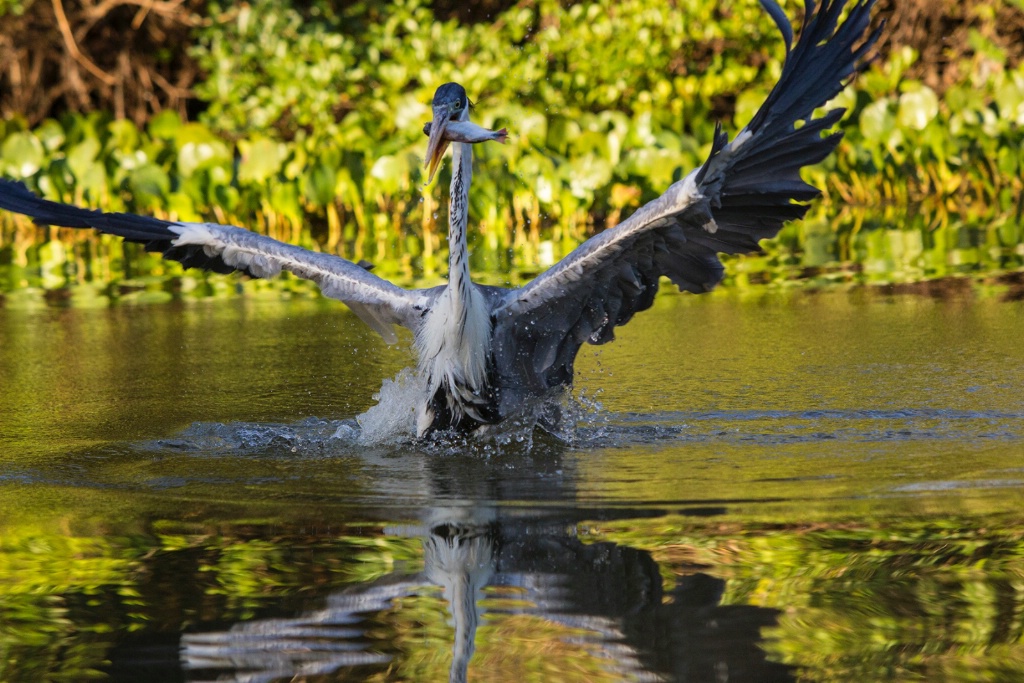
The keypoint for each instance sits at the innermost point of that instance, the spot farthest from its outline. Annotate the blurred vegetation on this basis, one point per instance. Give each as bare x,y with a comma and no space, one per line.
307,127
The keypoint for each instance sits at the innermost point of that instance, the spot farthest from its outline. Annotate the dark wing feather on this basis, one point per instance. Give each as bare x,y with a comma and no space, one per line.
743,193
224,249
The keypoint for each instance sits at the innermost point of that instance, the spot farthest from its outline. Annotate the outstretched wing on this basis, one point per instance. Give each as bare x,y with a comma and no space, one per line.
743,193
223,249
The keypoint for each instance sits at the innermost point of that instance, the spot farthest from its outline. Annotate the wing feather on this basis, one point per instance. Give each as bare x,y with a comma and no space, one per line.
224,249
743,193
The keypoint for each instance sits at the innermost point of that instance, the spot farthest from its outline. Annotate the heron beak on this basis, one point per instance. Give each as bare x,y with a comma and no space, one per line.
437,144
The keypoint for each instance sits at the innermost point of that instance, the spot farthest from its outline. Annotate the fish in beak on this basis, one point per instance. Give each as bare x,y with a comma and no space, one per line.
437,142
451,124
469,132
454,131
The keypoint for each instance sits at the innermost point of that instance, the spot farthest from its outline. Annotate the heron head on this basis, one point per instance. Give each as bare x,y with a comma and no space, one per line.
450,104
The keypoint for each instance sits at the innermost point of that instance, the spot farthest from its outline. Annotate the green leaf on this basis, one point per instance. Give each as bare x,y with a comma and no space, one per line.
164,125
389,171
877,121
93,181
149,183
561,132
261,160
918,108
22,154
657,166
1007,161
586,174
226,197
284,199
50,134
180,206
1010,99
82,156
199,148
124,136
318,184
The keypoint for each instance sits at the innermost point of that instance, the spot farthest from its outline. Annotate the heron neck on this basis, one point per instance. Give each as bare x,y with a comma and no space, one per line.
458,215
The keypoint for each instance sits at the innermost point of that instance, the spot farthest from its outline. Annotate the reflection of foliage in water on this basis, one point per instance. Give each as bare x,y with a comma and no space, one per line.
937,599
66,599
43,576
898,599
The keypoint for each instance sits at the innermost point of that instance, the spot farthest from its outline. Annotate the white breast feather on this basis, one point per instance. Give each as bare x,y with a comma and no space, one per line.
453,343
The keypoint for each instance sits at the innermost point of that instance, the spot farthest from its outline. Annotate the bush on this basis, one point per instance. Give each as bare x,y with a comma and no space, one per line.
312,133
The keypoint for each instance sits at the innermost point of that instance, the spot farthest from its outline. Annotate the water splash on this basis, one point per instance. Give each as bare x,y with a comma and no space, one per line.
312,436
563,419
556,418
393,419
572,421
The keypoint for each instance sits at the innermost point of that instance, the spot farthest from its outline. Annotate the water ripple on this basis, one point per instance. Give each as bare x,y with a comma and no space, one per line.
320,437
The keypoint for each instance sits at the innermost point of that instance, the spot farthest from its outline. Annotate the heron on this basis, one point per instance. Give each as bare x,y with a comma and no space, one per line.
483,352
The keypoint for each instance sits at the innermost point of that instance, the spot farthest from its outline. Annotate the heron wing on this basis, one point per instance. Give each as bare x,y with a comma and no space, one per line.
744,192
224,248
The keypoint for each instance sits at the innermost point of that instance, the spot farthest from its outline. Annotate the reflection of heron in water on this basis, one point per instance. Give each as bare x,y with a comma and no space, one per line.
507,542
607,599
460,558
484,351
518,581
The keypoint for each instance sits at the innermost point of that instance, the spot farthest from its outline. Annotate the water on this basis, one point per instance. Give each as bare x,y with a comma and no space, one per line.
760,487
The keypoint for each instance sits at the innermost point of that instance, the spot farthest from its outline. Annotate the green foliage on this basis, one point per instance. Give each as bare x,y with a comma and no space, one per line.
15,7
313,135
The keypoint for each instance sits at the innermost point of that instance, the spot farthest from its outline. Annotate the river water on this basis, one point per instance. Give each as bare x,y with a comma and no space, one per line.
759,486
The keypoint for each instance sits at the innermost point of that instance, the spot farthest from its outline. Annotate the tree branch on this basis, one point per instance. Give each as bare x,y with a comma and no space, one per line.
72,46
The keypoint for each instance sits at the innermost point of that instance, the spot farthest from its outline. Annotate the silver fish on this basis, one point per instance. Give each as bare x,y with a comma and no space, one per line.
469,132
